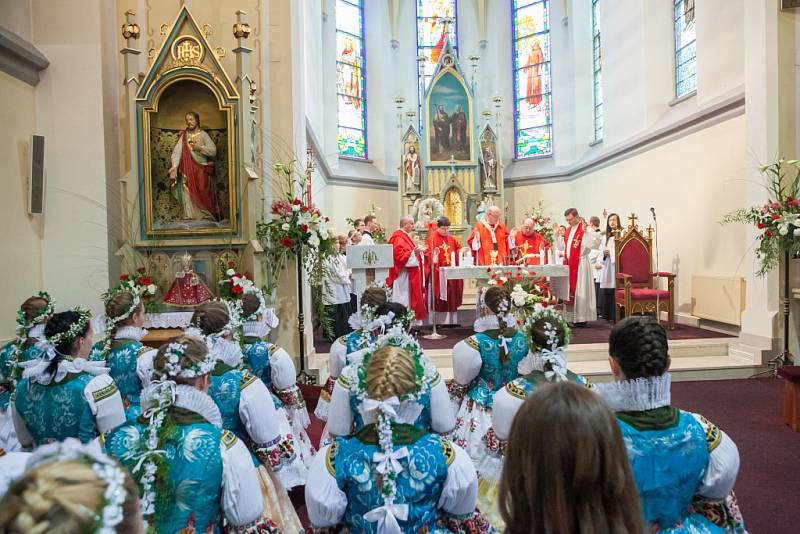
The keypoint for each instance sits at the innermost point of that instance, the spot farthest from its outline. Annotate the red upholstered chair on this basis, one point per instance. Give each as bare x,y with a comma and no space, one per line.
637,284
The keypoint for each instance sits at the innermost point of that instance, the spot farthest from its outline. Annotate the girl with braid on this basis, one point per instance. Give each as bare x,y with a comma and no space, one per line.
548,335
193,475
684,466
121,348
482,364
61,393
390,476
364,332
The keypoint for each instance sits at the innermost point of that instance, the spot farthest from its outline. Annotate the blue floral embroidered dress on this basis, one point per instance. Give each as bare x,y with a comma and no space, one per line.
479,372
13,354
122,360
339,357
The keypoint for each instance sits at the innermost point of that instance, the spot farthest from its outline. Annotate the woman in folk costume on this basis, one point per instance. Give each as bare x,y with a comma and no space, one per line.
548,336
269,362
71,487
364,333
482,364
391,476
62,394
246,405
684,466
192,474
121,348
432,410
566,469
32,317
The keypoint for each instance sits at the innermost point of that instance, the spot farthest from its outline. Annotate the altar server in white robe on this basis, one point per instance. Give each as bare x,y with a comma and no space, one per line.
608,281
578,243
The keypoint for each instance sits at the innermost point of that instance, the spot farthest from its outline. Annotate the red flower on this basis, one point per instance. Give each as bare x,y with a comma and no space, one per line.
775,216
145,280
768,233
305,228
237,289
760,226
248,275
231,264
123,277
140,270
790,199
297,202
287,242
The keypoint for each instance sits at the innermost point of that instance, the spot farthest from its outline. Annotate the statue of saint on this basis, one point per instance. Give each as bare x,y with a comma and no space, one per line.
187,289
191,177
411,168
488,167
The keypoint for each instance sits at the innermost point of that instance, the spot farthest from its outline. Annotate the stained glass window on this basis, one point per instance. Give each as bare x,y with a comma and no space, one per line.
351,79
436,20
597,70
533,123
685,48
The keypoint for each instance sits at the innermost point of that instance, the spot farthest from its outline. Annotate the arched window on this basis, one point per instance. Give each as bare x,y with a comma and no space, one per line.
351,79
533,124
685,48
436,19
597,71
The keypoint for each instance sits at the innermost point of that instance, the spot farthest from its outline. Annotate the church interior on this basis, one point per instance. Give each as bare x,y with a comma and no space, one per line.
307,153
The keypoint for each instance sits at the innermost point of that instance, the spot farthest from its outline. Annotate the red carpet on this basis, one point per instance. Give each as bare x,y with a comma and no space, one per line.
749,411
594,332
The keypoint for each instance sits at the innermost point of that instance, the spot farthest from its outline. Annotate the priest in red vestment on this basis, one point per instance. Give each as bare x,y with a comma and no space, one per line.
578,242
530,245
405,277
442,251
489,239
191,176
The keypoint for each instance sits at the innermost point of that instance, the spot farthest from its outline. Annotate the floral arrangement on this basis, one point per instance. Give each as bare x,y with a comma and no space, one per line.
528,292
297,229
542,224
778,220
232,283
139,282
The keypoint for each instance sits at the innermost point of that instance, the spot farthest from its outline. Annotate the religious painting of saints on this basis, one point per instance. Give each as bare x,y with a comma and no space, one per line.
449,121
192,188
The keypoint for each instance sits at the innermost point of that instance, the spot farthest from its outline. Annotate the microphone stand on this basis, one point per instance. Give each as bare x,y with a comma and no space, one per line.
432,297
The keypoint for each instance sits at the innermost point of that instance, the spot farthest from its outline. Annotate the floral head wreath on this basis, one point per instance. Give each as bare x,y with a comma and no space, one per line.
551,357
76,329
234,325
173,369
104,467
502,308
24,325
111,322
262,303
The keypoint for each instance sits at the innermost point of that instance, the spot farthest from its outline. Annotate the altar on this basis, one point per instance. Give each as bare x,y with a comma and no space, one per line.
558,275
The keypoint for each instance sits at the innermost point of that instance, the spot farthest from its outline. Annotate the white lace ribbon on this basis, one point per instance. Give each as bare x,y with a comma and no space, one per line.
390,460
386,516
388,406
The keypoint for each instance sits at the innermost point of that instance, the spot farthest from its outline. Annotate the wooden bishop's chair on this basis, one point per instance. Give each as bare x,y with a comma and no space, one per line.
637,285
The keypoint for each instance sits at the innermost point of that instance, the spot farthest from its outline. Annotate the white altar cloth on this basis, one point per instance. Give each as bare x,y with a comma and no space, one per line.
558,274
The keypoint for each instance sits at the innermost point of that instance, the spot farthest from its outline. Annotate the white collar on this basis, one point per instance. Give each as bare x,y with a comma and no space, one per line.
192,399
533,361
490,322
130,332
258,329
37,332
636,395
228,352
36,369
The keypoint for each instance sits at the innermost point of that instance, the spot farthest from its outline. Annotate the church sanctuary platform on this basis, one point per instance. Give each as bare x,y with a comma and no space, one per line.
697,353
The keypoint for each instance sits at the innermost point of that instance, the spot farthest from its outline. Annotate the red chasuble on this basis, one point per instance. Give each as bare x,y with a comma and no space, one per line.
483,231
403,249
531,244
199,180
573,242
448,248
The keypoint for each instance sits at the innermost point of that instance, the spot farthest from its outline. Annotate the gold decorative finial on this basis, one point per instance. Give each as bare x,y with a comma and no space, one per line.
633,218
241,30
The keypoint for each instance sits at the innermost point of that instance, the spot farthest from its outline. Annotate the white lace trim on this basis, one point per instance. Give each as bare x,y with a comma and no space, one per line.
130,332
193,399
258,329
37,332
530,363
636,395
490,322
228,352
36,369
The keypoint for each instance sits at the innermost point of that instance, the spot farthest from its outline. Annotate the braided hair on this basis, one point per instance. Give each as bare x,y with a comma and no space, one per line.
498,301
639,346
117,305
391,372
211,317
538,336
58,324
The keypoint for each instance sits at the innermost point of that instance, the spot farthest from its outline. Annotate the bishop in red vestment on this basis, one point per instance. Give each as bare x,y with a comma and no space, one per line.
530,245
442,251
405,277
490,235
